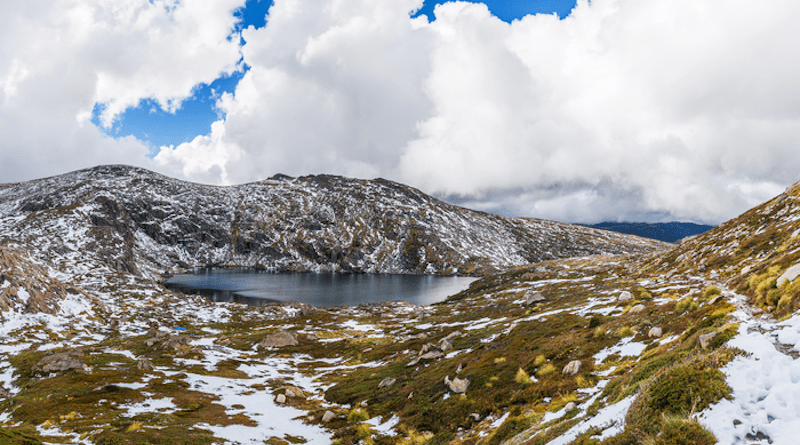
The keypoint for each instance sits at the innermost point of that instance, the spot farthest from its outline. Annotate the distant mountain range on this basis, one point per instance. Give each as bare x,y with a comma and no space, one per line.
670,232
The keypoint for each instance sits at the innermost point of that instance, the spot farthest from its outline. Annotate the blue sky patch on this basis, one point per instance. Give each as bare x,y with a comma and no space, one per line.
508,10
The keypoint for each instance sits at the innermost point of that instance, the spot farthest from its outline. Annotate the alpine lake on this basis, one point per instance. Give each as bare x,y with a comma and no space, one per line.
258,287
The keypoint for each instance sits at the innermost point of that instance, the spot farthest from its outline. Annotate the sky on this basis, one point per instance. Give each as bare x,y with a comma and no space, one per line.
609,110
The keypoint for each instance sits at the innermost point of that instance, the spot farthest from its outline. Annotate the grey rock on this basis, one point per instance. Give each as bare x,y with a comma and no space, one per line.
387,382
432,355
705,339
293,391
279,340
328,416
790,274
280,398
475,417
637,308
655,332
444,345
570,406
572,367
625,296
144,364
364,404
532,297
61,362
457,385
453,335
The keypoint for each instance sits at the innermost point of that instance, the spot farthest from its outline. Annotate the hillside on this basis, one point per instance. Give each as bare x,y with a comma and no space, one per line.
695,344
135,221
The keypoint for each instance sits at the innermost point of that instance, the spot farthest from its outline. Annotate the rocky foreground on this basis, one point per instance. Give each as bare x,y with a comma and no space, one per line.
698,344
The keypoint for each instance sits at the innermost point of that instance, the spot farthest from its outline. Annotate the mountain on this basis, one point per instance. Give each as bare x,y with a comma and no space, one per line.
670,232
136,221
695,343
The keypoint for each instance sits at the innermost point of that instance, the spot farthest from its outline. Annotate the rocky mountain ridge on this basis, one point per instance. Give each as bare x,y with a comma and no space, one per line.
136,221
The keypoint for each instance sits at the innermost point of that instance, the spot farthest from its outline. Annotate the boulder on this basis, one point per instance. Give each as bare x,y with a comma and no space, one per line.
636,309
444,345
293,391
426,356
61,362
457,385
280,399
328,416
144,364
705,339
572,367
175,342
387,382
532,297
279,340
625,296
453,335
570,406
790,274
655,332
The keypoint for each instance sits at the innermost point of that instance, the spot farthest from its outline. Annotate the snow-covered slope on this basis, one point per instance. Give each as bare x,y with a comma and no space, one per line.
133,220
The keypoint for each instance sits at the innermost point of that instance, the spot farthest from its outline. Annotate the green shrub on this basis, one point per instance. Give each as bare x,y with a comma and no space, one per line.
710,292
687,388
687,304
677,431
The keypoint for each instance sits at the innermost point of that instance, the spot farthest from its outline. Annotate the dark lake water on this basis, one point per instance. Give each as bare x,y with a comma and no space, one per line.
318,289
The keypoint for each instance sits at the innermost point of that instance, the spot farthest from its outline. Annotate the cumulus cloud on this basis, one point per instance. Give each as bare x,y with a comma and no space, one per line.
61,58
684,109
626,109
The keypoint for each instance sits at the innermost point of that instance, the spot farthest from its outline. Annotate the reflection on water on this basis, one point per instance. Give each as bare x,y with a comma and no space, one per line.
319,289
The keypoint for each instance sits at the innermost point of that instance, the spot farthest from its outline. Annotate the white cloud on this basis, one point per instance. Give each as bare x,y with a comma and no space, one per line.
688,108
625,108
60,57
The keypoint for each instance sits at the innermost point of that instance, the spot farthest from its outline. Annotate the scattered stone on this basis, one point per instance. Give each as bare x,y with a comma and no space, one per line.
475,417
655,332
625,296
457,385
705,339
387,382
746,270
175,342
570,406
223,341
410,395
637,308
279,340
572,367
245,319
453,335
293,391
532,297
280,399
364,404
460,367
444,345
426,356
328,416
61,362
144,364
790,274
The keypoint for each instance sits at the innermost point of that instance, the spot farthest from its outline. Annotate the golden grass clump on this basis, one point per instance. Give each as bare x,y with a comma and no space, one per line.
539,360
545,370
522,377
